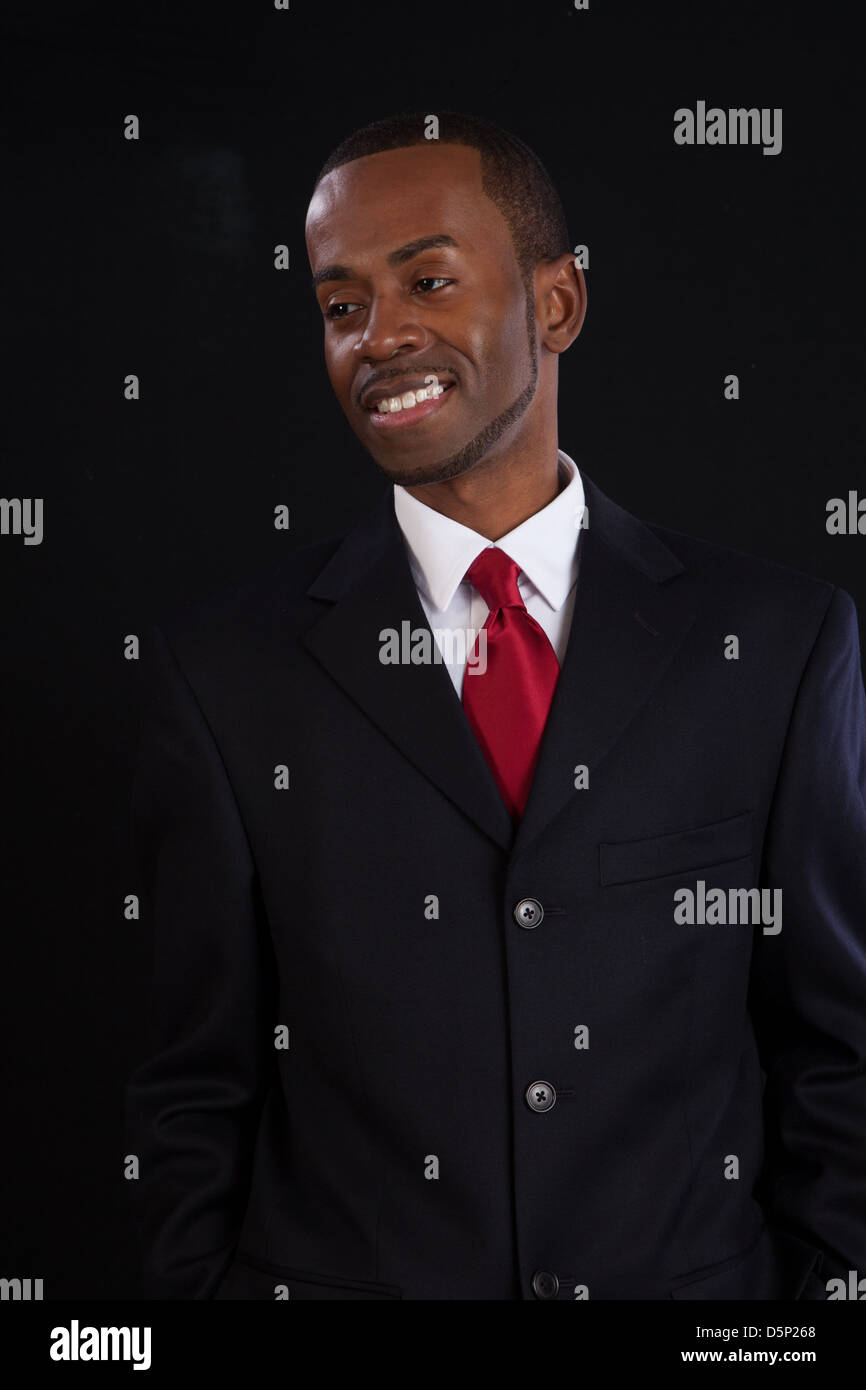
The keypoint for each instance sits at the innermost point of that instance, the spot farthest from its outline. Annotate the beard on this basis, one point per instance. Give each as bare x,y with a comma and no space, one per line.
481,444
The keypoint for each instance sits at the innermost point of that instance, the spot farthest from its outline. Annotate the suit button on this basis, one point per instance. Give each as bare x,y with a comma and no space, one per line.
545,1284
540,1096
528,912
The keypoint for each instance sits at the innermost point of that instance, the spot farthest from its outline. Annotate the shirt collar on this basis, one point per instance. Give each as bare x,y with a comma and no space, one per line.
544,546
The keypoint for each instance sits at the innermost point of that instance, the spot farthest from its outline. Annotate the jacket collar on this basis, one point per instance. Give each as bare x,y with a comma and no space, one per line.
634,604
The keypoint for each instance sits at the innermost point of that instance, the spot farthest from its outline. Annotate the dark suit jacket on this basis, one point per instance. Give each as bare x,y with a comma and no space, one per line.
390,1150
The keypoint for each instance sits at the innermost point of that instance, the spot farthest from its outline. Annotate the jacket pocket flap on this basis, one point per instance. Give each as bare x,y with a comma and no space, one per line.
776,1267
628,861
251,1277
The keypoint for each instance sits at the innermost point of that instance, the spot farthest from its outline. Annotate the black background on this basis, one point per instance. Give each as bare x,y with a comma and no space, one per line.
155,257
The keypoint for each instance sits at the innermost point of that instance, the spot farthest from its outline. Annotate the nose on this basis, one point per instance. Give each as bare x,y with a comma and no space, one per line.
388,331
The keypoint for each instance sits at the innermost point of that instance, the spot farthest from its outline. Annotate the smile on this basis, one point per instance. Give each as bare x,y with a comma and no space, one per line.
394,412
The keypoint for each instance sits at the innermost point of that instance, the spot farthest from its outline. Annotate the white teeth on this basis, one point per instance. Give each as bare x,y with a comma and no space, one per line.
390,404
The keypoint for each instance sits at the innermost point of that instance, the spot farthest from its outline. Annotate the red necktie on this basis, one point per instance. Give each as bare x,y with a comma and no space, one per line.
507,703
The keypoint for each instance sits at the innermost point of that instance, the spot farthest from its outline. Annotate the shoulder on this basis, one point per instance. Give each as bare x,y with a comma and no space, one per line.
735,574
272,596
780,606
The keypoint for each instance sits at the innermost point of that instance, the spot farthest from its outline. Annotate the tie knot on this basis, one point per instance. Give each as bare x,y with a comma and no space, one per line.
494,575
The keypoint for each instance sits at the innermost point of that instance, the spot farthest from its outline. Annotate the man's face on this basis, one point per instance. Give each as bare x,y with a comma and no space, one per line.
418,283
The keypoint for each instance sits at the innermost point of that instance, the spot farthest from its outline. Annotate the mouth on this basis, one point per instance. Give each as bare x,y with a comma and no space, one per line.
407,407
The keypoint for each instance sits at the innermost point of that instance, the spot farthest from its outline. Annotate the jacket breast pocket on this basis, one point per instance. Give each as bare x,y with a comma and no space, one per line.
250,1277
681,851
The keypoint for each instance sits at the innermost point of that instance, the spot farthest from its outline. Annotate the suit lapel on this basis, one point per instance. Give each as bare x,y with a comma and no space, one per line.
369,586
633,607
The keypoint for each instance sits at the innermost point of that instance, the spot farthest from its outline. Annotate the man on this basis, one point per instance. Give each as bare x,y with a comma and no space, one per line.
531,965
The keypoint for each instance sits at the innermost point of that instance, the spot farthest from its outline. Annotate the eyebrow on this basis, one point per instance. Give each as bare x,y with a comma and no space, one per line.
398,257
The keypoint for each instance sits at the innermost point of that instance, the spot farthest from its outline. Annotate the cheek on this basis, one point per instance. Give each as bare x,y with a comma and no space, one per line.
500,345
339,366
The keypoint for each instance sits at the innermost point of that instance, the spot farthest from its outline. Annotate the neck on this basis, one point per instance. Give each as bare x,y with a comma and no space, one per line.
502,490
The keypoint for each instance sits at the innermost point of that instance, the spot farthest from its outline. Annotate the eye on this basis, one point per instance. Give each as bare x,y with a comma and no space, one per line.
339,311
432,282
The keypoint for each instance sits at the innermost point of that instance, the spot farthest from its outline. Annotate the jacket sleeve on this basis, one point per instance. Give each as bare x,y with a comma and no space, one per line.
193,1104
808,999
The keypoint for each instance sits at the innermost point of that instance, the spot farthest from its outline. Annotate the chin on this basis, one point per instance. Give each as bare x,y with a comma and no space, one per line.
403,475
406,473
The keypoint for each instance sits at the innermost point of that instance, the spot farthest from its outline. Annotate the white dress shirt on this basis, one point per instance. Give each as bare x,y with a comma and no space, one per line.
545,547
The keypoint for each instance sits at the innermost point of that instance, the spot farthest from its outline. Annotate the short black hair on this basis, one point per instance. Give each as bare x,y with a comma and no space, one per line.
513,176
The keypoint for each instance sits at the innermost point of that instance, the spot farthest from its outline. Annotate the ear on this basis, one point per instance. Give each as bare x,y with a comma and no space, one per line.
560,298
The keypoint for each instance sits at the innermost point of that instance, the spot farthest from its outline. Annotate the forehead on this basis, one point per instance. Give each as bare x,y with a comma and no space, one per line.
372,205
